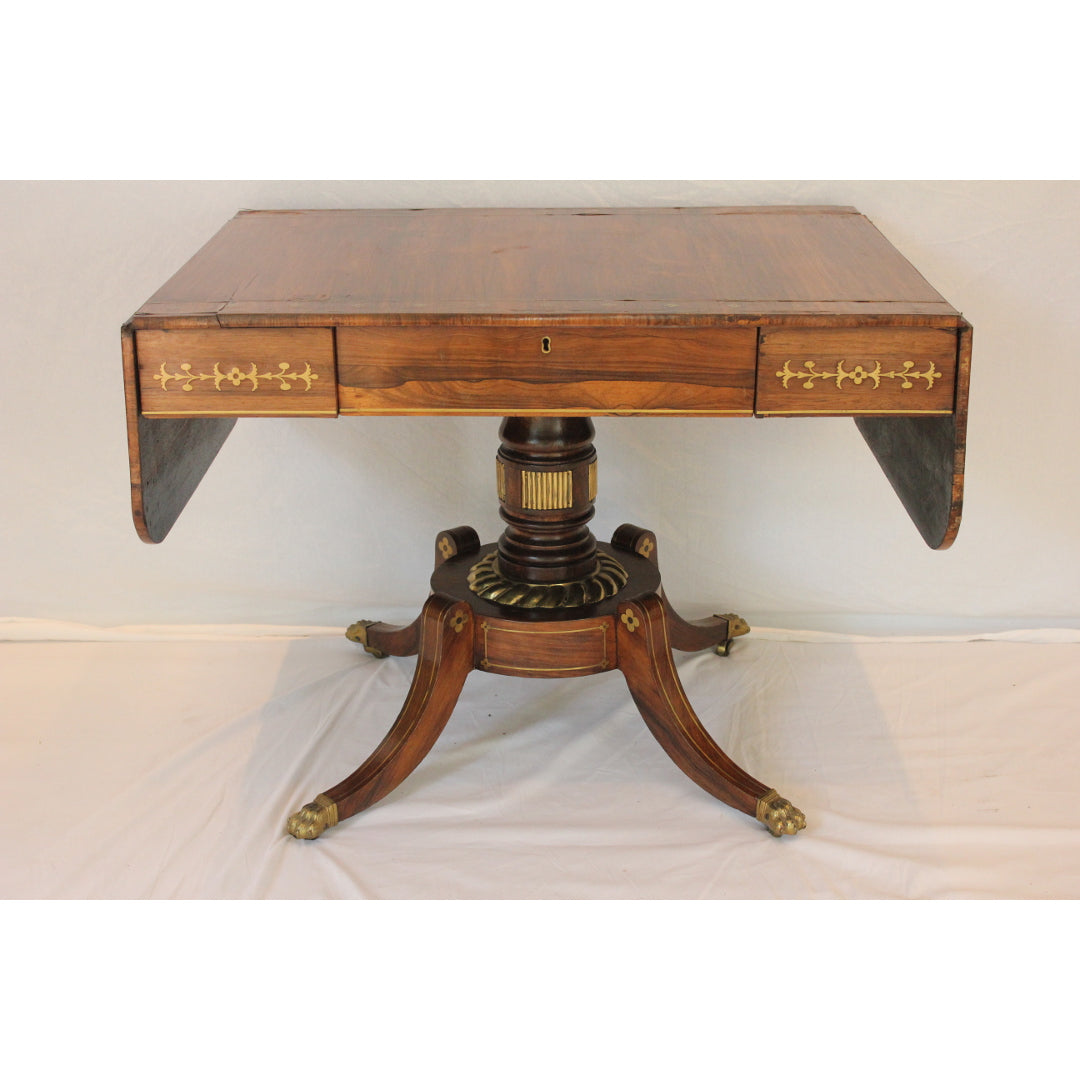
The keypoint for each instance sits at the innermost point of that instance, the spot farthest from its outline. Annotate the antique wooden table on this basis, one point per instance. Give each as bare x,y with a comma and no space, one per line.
547,318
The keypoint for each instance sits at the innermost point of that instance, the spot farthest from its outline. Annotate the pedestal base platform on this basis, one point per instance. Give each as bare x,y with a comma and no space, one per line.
634,630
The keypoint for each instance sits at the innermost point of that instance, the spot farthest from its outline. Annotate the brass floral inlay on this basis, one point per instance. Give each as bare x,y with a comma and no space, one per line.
282,379
859,374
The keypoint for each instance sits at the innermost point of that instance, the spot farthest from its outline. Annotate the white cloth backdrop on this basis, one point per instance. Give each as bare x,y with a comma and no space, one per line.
164,762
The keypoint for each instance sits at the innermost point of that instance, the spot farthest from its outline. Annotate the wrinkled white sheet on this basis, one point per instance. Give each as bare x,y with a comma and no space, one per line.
163,762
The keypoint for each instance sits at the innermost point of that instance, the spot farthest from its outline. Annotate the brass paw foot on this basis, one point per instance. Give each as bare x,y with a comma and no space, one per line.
313,819
779,816
358,633
737,626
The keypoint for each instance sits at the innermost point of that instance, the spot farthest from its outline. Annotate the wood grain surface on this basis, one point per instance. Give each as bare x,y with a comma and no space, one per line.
546,370
702,311
924,457
166,458
356,267
444,660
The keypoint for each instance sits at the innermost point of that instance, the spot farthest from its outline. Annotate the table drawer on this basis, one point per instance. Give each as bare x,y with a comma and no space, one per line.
855,371
555,370
250,372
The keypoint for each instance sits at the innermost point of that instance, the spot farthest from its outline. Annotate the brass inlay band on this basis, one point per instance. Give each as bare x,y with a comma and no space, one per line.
330,807
859,374
826,411
282,379
592,482
547,490
500,479
350,392
489,584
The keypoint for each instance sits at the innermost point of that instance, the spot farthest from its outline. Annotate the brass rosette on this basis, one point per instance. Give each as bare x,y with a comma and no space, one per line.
489,584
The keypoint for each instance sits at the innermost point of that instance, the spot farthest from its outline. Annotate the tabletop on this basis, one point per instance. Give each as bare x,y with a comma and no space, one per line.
692,311
362,267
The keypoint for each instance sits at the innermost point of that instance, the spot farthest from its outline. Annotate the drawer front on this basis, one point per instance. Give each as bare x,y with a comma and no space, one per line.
257,372
563,371
858,371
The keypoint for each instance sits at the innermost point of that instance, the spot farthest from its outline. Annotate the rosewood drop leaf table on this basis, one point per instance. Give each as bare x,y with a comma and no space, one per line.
548,317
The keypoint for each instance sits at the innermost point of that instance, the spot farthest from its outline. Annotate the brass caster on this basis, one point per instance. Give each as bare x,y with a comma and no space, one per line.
737,626
358,633
779,816
313,819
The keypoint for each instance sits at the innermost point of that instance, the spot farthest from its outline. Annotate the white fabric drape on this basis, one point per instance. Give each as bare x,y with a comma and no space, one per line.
163,761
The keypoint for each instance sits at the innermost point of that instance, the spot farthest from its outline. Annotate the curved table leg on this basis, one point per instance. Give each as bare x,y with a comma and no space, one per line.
645,659
383,639
445,659
716,632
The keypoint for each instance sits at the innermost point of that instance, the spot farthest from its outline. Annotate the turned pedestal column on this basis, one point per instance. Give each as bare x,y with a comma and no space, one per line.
547,601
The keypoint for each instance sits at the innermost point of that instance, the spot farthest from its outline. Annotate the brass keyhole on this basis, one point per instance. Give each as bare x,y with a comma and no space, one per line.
545,344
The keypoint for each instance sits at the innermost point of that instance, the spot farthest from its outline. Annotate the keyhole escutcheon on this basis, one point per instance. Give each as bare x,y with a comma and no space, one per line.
545,344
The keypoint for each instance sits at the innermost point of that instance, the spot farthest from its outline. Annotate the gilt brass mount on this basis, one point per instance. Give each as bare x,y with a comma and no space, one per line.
489,583
778,815
358,633
313,819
